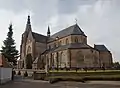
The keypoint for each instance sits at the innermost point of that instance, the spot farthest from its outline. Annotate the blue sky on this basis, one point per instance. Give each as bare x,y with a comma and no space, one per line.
99,19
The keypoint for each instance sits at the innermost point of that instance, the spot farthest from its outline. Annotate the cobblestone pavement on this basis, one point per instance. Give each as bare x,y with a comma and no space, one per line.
29,83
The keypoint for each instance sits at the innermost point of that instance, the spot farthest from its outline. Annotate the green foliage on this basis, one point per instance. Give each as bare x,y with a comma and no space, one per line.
9,49
116,65
29,61
100,75
25,74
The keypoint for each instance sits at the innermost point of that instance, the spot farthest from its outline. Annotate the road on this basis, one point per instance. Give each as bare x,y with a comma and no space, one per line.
29,83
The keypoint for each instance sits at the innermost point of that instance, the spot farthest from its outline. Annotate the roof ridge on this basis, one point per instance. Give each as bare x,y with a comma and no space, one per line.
39,34
101,47
71,30
63,29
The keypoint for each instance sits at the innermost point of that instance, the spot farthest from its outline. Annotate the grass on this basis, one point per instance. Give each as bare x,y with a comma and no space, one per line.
89,75
85,71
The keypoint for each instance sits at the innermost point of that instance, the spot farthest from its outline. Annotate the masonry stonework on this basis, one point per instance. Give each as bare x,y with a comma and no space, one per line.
66,48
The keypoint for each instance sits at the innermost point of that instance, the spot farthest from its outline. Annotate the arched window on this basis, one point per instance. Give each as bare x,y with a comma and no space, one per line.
67,41
76,40
60,43
29,50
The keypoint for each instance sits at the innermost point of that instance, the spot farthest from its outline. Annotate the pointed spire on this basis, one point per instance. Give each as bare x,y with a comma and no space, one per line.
28,25
48,32
28,20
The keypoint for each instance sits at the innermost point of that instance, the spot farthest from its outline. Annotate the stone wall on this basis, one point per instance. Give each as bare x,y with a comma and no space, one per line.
78,39
57,59
84,58
67,40
106,59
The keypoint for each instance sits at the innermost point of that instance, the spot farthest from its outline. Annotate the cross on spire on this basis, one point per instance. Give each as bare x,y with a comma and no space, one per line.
76,20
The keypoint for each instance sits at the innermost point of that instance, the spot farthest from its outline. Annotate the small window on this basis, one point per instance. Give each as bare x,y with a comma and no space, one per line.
76,39
49,47
67,41
60,43
54,44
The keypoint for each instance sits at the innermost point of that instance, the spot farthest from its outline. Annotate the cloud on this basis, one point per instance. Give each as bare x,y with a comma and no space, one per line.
99,19
18,22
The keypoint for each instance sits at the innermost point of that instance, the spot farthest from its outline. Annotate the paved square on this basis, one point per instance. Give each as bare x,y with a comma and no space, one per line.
43,84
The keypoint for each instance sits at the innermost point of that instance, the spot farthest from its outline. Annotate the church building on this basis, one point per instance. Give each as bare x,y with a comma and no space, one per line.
66,48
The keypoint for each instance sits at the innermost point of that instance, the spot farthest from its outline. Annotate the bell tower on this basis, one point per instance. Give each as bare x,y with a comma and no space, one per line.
24,39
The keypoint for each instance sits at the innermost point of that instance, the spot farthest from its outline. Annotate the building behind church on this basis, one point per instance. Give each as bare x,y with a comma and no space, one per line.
66,48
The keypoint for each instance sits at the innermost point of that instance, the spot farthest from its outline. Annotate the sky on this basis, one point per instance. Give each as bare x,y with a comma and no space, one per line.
99,19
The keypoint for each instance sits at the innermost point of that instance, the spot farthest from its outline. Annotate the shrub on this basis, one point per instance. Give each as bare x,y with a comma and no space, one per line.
25,74
19,73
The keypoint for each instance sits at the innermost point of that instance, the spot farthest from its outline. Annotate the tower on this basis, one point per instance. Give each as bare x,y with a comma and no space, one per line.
24,39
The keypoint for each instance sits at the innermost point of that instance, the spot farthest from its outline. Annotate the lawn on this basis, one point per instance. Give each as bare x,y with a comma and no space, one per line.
89,75
85,71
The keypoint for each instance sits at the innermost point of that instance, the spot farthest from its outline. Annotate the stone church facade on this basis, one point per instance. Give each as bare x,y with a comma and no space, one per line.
66,48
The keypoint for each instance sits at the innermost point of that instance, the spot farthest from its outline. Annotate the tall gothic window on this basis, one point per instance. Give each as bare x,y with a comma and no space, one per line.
29,50
67,41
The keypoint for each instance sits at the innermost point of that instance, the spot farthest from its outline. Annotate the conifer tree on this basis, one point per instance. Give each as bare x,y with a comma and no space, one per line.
9,48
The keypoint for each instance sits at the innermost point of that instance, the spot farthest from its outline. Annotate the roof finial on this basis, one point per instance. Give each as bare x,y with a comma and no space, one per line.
76,20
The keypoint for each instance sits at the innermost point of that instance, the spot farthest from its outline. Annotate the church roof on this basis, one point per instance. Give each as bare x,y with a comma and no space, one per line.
101,47
74,46
39,37
70,46
72,30
36,60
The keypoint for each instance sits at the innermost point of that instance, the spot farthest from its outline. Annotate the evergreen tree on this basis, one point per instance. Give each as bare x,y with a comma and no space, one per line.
9,49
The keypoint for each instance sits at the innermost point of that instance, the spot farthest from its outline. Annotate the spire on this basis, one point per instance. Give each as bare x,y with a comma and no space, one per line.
28,25
10,25
48,32
28,20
